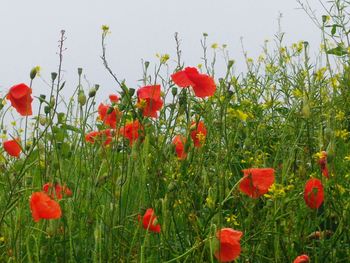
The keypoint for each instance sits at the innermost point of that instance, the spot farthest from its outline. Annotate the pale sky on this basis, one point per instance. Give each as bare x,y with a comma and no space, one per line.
140,29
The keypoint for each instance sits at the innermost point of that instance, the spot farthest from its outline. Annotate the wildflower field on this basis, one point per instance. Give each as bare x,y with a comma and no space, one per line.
190,166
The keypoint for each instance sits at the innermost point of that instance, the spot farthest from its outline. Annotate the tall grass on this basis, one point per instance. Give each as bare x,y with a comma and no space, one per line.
286,108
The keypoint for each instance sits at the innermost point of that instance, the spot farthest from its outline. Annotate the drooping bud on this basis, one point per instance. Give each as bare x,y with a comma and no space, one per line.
34,72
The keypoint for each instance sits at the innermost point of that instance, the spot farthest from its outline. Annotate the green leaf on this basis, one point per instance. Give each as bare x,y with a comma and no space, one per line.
338,51
334,30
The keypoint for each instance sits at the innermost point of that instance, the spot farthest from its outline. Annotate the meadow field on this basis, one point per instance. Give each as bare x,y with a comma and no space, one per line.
196,164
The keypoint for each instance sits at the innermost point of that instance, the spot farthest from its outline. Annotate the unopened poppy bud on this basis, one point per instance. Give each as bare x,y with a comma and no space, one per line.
174,91
53,76
52,101
81,98
92,92
131,91
33,72
47,109
205,34
230,64
42,98
146,64
80,71
325,18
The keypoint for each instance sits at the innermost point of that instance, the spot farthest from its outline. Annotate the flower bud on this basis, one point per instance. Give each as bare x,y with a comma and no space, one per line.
80,71
131,91
174,91
52,101
146,64
42,98
81,98
97,87
33,72
53,76
47,109
230,64
92,92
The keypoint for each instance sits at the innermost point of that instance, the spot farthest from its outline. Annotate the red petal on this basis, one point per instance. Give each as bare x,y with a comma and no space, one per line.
12,148
19,91
181,79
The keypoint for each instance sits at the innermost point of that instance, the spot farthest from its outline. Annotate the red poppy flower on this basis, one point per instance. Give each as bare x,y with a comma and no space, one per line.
43,207
198,133
57,191
109,115
131,131
202,84
149,221
323,164
149,100
301,259
229,246
114,98
20,98
179,142
314,193
94,136
12,147
257,181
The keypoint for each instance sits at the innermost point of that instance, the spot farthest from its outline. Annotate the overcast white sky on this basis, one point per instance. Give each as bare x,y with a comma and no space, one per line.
140,29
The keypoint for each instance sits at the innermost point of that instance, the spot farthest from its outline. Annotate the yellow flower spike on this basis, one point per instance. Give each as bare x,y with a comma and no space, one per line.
105,29
214,46
164,58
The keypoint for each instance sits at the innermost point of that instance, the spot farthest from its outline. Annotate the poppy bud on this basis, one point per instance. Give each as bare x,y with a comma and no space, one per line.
174,91
92,92
230,64
324,19
146,64
97,87
42,98
53,76
52,101
80,71
33,72
131,91
47,109
81,98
